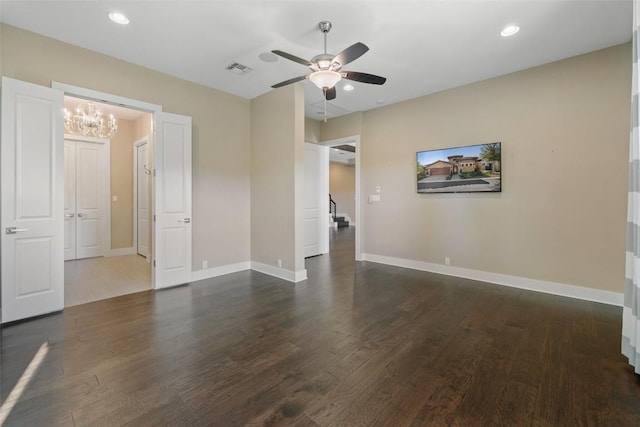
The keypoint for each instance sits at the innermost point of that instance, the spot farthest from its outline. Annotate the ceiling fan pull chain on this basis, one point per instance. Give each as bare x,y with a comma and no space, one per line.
325,104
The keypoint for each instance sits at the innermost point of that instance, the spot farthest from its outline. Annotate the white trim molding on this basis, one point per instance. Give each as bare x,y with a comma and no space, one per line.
105,98
281,273
561,289
219,271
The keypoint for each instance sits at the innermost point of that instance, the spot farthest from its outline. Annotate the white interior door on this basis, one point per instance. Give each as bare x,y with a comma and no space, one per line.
142,196
172,204
316,199
84,197
69,200
31,219
89,199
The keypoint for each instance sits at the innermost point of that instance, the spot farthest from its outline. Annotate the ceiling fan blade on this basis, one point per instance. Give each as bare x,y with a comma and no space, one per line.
330,93
350,54
363,77
288,82
292,58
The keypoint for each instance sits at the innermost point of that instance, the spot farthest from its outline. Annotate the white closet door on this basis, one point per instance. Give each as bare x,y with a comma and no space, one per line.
69,200
316,228
172,230
85,197
89,199
142,190
31,153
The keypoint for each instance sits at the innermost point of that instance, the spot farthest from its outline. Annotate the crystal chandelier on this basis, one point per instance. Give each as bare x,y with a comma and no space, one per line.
88,121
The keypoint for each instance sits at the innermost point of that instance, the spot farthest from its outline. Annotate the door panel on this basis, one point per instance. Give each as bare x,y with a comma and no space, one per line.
142,188
316,229
85,206
32,199
34,281
69,200
172,160
89,197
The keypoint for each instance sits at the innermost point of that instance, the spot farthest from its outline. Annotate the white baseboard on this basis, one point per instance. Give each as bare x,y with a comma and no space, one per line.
121,251
219,271
281,273
578,292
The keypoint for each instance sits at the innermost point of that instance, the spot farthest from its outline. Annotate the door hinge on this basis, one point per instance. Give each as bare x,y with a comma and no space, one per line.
154,172
154,262
154,217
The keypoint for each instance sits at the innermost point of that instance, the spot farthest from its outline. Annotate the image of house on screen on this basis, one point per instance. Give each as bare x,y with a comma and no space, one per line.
474,168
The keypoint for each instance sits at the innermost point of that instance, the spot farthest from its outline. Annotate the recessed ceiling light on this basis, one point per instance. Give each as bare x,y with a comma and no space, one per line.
119,18
380,101
509,30
348,87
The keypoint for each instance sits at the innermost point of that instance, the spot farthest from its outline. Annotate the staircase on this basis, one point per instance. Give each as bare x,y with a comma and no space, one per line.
340,221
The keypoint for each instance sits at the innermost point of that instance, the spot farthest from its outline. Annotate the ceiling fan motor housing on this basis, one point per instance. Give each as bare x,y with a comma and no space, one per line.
323,62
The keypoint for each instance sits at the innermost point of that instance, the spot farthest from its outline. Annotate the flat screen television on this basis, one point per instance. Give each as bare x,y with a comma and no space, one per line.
470,169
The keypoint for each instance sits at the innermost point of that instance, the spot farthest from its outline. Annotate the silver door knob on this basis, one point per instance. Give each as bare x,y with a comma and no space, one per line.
186,220
69,215
14,230
80,215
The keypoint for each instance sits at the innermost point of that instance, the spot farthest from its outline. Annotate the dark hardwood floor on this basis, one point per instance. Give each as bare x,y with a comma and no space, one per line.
356,344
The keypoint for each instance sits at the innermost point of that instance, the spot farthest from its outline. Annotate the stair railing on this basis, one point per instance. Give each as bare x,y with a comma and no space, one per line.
332,207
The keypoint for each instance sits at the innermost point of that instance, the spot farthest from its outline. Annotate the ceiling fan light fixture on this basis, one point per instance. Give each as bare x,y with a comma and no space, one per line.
325,78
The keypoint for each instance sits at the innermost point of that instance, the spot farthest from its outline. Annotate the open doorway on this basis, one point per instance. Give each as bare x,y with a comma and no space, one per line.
343,194
107,205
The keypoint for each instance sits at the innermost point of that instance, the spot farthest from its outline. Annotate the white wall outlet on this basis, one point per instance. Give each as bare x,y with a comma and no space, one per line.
447,260
114,198
374,198
205,264
279,263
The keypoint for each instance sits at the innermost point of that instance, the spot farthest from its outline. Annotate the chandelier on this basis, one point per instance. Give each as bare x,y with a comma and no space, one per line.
88,121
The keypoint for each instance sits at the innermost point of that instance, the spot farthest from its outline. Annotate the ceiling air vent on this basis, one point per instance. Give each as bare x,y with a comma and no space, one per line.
238,68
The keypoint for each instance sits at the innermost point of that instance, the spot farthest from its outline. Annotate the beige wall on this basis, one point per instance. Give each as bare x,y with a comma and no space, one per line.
277,175
221,177
311,130
342,186
341,127
122,185
561,217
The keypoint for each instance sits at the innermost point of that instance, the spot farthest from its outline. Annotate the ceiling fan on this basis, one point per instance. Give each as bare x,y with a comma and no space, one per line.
327,69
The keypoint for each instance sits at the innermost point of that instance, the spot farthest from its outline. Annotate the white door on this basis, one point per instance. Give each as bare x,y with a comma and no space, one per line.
142,199
172,229
316,199
89,199
31,219
69,200
84,197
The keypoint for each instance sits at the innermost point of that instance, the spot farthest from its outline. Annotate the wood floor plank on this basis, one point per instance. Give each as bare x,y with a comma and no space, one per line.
356,344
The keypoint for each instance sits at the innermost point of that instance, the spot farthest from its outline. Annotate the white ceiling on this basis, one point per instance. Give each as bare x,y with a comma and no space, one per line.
342,156
421,47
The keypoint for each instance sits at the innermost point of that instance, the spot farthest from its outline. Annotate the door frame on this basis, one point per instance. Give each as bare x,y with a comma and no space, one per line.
107,98
359,223
105,179
142,141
